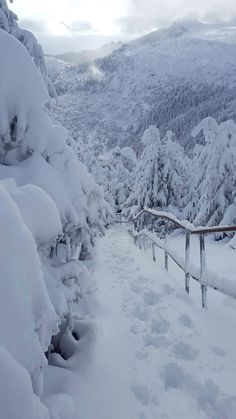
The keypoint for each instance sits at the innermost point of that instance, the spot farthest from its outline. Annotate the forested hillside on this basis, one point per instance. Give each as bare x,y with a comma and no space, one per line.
151,96
171,79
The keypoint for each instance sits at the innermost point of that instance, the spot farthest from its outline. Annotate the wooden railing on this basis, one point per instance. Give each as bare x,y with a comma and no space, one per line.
120,218
205,277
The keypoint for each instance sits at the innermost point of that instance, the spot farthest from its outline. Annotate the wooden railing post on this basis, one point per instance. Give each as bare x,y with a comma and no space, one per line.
202,269
153,245
139,222
68,248
166,254
153,252
144,243
187,257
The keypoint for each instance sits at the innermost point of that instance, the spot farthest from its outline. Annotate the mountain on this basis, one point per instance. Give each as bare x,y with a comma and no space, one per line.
171,78
86,56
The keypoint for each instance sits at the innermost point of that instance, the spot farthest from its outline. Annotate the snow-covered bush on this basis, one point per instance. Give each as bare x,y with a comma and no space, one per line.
51,210
28,319
17,399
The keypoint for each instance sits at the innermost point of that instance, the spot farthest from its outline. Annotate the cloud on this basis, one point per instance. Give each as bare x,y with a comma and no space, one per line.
57,45
78,26
136,25
144,16
35,26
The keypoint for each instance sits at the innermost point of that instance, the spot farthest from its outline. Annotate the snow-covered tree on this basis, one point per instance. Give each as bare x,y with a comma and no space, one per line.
8,22
159,178
113,170
177,179
213,182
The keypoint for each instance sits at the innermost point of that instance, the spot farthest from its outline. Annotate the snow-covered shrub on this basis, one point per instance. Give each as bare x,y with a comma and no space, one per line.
50,212
27,317
17,399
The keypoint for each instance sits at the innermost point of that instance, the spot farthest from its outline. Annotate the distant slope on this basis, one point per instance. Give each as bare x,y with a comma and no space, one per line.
171,78
86,56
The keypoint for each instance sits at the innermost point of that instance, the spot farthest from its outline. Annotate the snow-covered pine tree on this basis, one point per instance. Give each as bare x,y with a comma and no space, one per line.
176,163
213,181
120,181
113,170
160,177
152,175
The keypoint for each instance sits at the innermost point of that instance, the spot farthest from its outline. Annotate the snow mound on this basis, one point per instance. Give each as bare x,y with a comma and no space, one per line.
28,319
17,399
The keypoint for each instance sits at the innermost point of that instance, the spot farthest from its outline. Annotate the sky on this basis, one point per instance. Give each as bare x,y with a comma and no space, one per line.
74,25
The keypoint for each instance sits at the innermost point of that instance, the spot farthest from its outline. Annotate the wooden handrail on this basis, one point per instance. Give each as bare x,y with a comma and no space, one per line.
185,225
202,275
118,218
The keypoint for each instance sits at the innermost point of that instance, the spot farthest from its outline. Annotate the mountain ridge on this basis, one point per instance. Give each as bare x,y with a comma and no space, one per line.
172,82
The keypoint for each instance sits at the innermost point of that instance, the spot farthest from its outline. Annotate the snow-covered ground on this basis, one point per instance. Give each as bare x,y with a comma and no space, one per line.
220,259
153,352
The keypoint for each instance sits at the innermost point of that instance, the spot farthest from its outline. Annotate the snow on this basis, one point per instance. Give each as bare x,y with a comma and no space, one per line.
17,399
28,319
51,212
9,23
210,199
31,87
171,82
156,353
185,224
89,326
38,210
210,278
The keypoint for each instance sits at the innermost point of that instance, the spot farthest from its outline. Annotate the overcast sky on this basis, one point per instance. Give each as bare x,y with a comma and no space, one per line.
72,25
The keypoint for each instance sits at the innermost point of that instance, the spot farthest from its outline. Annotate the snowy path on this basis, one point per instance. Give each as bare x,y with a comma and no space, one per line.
154,354
155,358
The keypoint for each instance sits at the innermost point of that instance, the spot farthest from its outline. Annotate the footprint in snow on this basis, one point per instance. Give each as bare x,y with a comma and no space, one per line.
207,394
159,326
218,351
150,298
173,376
142,279
140,313
135,329
136,288
142,394
157,341
185,351
166,288
186,321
